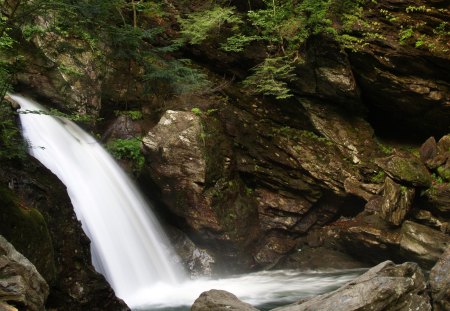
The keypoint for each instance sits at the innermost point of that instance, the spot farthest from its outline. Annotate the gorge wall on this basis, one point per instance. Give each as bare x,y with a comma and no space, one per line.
354,166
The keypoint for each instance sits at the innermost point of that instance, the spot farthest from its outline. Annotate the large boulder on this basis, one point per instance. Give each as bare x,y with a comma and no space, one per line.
219,300
20,283
405,168
176,156
440,283
384,287
422,244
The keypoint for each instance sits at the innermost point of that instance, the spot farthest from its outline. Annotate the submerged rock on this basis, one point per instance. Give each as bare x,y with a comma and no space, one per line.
219,300
440,283
20,282
384,287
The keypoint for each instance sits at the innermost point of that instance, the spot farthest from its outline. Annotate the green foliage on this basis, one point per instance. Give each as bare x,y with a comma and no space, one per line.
271,77
197,111
436,179
421,8
128,149
132,114
405,34
198,25
12,145
379,177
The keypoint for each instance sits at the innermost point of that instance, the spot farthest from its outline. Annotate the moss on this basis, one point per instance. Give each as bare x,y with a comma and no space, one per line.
26,229
444,172
379,177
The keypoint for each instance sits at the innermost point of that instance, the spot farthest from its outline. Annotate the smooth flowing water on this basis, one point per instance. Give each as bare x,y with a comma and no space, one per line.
127,243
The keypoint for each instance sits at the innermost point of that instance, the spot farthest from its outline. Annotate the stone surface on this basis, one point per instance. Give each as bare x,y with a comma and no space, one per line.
439,197
440,283
428,150
20,282
220,300
427,218
197,261
384,287
175,152
422,244
396,203
319,258
41,201
405,168
369,238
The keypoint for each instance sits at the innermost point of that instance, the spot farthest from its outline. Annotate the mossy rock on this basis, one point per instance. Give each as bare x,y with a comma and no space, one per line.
27,230
406,168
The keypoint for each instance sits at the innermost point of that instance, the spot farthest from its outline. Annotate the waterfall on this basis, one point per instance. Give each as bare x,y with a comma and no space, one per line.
128,245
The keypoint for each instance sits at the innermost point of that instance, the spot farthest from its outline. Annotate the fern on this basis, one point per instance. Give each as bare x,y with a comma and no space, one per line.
197,26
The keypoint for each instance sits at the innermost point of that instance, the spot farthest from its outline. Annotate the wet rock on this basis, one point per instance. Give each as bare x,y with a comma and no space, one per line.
220,300
405,168
123,127
369,238
6,307
439,197
271,248
427,218
360,189
422,244
444,144
349,132
175,153
14,105
197,260
308,258
384,287
440,282
428,150
396,203
43,218
20,282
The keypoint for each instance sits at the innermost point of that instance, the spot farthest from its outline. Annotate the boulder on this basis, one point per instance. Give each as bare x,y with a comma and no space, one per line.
396,203
422,244
384,287
439,197
369,238
440,283
219,300
197,260
20,282
405,168
175,152
428,150
427,218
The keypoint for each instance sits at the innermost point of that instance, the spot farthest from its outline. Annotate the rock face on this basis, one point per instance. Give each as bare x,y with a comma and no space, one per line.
384,287
21,285
440,283
423,244
176,157
221,301
42,224
396,203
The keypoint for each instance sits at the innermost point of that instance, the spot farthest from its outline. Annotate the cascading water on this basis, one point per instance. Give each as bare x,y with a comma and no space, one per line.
127,243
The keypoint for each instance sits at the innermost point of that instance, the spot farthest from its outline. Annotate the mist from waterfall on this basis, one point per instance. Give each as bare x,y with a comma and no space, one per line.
127,243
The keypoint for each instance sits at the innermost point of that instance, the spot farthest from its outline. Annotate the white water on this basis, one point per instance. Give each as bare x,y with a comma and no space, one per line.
128,245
